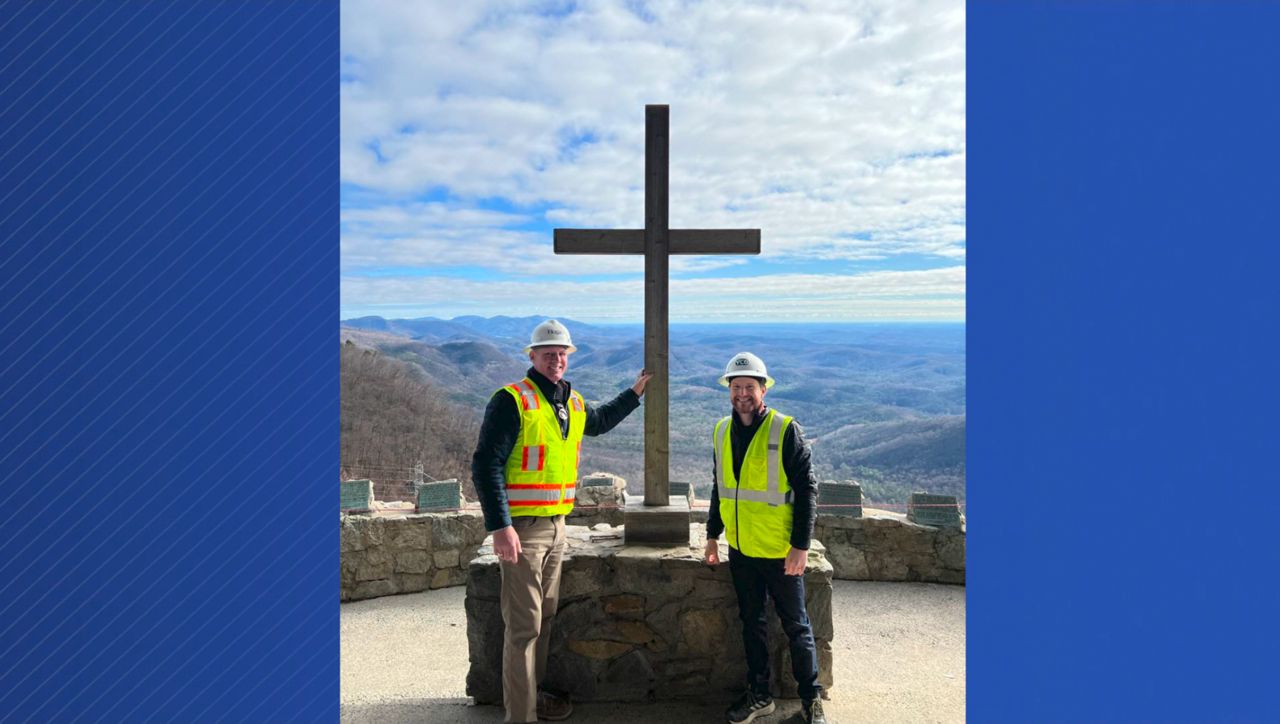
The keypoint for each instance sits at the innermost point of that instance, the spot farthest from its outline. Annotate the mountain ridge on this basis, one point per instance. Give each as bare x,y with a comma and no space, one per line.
875,401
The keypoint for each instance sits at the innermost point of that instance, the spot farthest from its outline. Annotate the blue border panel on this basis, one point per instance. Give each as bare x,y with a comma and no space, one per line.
1122,312
168,382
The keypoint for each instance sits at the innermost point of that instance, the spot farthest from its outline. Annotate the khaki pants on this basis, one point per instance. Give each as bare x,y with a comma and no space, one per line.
530,595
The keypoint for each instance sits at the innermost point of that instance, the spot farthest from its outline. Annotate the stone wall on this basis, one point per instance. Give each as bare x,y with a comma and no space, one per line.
640,624
381,555
404,553
884,546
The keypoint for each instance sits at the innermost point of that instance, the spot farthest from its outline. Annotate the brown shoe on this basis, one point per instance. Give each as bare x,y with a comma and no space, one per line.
552,707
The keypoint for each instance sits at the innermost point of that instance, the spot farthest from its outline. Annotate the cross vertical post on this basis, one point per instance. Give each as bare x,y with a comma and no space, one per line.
660,522
657,433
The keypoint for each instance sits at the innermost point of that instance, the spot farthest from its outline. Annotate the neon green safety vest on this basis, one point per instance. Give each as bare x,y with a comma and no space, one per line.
756,510
542,470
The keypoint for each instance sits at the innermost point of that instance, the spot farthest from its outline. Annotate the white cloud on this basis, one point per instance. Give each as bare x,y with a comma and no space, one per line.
936,294
837,128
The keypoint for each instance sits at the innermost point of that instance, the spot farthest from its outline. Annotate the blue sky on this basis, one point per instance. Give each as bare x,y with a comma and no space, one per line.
470,132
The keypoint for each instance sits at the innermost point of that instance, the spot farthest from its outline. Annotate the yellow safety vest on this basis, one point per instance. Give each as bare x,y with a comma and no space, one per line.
542,470
756,510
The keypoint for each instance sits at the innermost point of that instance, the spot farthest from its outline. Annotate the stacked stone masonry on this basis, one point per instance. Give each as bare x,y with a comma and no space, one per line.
884,546
640,623
383,555
600,499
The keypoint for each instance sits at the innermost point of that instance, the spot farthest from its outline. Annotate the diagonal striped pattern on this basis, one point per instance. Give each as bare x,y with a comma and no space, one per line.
168,388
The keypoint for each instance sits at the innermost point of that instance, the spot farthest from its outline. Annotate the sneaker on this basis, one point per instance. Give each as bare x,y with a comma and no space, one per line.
812,710
748,707
552,707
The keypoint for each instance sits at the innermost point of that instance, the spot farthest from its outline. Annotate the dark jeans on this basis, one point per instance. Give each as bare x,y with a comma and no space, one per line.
753,578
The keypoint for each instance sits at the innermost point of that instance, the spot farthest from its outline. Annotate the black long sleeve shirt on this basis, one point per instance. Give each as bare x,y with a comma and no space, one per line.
501,428
796,463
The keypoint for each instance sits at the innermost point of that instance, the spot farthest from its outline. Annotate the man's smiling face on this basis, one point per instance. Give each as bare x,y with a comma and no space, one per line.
746,394
550,361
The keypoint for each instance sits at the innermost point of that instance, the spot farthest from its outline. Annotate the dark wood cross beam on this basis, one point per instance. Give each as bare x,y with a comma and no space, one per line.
656,241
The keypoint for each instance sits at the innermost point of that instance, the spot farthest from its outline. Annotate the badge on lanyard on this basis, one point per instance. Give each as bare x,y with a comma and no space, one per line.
564,414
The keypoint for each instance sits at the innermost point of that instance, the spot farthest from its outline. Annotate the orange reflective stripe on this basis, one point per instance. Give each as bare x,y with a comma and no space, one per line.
528,395
577,403
533,458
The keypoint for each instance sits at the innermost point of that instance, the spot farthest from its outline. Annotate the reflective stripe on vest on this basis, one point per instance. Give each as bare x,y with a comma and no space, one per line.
724,468
532,457
539,493
528,394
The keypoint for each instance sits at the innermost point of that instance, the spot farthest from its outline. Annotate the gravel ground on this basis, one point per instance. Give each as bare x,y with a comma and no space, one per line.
899,657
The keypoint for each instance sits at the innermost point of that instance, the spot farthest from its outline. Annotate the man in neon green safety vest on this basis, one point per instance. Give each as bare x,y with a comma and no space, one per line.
764,500
525,470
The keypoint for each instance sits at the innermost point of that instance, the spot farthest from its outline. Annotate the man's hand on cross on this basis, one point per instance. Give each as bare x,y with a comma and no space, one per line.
641,381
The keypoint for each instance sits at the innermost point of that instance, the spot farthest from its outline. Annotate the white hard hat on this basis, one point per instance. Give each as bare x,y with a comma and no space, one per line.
745,364
548,333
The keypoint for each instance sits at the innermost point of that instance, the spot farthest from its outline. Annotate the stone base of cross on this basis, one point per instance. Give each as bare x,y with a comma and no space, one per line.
654,522
656,525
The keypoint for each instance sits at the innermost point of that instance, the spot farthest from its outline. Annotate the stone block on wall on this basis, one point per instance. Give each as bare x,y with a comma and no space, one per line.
412,561
600,499
410,532
356,496
603,480
842,498
935,510
441,496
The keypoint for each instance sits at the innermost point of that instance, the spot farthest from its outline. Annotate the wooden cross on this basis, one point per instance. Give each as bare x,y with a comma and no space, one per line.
656,242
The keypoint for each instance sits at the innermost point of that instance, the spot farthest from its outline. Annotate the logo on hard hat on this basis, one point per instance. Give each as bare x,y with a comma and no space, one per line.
742,362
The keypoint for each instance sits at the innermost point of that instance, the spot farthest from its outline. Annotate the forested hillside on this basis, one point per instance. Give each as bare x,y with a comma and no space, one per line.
392,417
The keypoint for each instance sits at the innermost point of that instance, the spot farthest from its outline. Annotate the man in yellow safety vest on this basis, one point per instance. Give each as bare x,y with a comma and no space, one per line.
764,499
525,470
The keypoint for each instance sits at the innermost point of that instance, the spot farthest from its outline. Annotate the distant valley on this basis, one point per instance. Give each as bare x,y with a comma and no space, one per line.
881,403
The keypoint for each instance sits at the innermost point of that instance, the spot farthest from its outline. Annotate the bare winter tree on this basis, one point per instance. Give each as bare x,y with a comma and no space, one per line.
392,418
